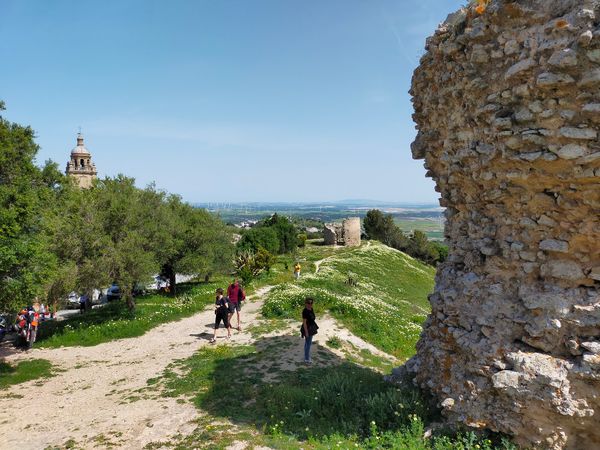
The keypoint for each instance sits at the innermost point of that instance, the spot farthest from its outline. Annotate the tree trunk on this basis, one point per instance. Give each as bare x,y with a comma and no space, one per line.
172,282
88,302
129,300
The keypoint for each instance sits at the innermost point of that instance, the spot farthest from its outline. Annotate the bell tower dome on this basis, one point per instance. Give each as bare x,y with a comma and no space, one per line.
81,166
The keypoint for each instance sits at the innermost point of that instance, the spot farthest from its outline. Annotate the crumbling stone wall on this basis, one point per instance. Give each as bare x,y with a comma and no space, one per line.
331,232
351,231
347,233
507,104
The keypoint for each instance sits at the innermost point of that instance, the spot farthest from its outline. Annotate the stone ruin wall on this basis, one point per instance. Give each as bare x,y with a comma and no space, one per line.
331,233
347,233
351,231
507,104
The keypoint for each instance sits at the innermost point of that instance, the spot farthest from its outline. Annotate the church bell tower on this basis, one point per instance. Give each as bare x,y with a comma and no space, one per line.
81,166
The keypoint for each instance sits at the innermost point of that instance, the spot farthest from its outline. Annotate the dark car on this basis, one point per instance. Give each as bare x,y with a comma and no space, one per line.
113,293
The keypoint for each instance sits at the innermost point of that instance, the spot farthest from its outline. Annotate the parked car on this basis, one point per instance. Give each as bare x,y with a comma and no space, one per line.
113,293
73,300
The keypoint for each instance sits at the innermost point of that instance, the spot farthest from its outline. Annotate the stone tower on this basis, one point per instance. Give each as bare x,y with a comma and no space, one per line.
507,102
81,166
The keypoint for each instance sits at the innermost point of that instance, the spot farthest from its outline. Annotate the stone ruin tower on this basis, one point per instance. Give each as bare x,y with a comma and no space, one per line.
347,233
80,166
507,104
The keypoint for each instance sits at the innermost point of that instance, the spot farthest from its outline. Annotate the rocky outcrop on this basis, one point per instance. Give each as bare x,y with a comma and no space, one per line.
507,104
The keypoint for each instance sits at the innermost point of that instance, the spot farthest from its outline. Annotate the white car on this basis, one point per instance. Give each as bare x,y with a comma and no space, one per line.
73,300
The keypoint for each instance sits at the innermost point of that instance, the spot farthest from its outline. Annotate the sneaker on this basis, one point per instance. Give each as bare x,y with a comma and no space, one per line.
212,341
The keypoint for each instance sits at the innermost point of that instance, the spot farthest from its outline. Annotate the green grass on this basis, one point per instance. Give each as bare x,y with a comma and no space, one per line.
386,307
263,327
24,371
426,225
336,405
334,342
115,321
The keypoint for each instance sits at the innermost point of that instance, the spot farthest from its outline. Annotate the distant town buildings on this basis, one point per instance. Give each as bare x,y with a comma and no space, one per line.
246,224
80,167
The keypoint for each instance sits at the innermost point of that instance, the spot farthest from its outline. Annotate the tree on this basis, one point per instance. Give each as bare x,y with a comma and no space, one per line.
199,242
25,262
79,243
420,247
110,233
259,236
441,249
135,227
382,227
286,232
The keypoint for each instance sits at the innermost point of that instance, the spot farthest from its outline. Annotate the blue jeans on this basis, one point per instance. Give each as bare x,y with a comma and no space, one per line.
307,344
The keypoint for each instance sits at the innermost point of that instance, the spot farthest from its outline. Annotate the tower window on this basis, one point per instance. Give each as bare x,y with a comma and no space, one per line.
82,163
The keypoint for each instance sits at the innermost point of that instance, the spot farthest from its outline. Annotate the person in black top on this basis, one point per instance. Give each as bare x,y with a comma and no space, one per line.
221,313
309,328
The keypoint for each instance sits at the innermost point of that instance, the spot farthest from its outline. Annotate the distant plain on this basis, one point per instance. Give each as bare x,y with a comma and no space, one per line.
425,217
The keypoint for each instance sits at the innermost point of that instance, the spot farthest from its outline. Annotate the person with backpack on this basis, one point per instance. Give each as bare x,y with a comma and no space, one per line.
309,328
221,315
236,296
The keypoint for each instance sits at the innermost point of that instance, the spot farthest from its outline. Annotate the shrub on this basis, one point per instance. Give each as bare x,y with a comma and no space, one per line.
302,237
249,265
263,259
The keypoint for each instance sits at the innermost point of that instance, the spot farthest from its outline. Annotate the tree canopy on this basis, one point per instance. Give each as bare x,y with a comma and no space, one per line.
24,257
56,237
382,227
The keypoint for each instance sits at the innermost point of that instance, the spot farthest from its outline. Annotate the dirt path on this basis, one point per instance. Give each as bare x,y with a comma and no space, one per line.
100,395
88,400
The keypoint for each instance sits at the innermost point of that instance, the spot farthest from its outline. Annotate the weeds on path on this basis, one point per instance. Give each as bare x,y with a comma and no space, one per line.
24,371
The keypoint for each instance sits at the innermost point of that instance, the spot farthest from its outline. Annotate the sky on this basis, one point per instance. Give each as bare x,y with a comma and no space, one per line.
226,100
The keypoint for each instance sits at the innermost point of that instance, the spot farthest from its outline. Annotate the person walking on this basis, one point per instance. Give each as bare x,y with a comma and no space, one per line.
221,315
82,303
309,328
236,296
297,268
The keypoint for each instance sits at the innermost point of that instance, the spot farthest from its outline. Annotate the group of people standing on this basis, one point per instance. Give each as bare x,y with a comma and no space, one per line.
227,306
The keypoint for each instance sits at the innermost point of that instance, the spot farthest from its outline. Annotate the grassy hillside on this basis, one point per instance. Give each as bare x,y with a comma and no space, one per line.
379,293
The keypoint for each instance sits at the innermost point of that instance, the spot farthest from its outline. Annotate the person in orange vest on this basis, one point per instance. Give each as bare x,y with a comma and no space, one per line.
297,269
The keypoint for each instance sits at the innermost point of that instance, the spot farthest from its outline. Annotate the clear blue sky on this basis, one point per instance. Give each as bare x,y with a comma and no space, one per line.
226,100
